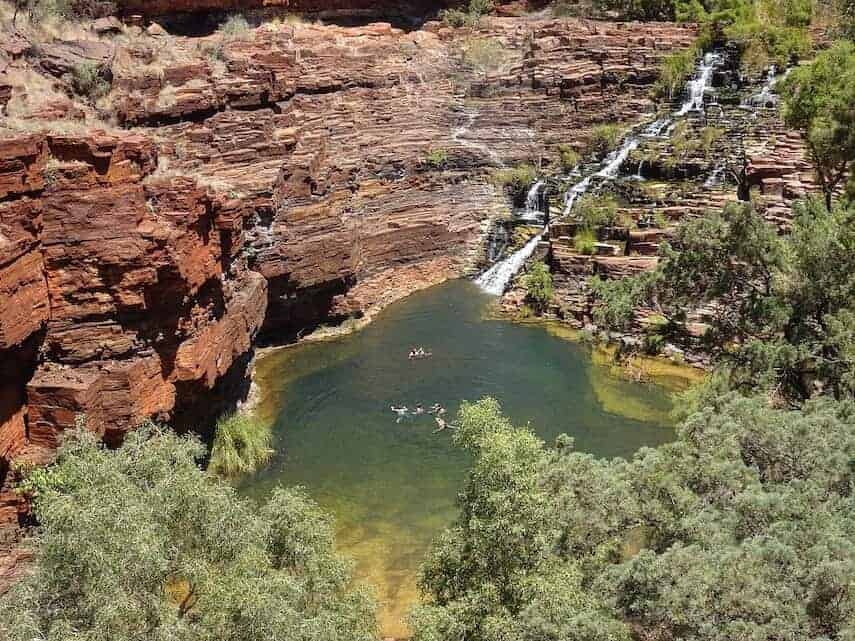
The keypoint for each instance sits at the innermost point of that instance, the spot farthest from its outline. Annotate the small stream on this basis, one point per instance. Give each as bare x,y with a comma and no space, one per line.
392,485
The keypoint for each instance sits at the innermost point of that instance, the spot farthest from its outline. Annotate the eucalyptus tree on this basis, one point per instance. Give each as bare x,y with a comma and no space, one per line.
139,543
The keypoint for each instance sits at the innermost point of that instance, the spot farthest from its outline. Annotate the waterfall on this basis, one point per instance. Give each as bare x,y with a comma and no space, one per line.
698,85
656,128
767,96
531,200
715,177
494,280
639,175
609,169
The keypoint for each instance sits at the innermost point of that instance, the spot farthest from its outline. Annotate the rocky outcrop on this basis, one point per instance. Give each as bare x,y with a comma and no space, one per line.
119,289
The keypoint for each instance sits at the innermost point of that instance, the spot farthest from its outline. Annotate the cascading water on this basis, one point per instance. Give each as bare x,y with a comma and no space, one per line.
531,199
494,280
767,96
609,170
698,85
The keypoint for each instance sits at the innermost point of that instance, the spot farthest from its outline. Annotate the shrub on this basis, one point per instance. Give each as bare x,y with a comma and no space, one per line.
674,71
709,136
604,139
455,18
483,53
538,285
568,157
564,9
653,344
468,18
436,158
87,80
597,211
585,242
241,445
516,181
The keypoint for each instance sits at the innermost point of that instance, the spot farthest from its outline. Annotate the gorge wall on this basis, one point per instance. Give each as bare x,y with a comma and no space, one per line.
258,186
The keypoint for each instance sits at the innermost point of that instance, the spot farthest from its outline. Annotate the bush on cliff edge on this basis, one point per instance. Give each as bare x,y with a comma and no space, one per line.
139,543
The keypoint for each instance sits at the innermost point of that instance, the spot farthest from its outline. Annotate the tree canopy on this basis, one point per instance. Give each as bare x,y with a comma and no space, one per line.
139,543
819,99
740,529
780,308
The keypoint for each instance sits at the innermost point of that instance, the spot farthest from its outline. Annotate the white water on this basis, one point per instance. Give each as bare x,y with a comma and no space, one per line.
698,85
494,280
715,177
767,96
531,197
608,170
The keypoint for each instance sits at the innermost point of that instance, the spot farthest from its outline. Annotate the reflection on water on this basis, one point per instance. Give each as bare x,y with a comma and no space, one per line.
392,486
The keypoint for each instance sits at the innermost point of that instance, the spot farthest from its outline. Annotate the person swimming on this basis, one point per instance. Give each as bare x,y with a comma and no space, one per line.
418,410
419,352
400,411
442,425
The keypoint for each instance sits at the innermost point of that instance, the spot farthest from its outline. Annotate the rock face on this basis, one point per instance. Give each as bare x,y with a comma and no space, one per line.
124,296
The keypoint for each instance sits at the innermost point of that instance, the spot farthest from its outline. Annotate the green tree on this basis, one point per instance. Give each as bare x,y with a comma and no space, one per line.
780,306
538,285
492,575
739,529
139,543
818,99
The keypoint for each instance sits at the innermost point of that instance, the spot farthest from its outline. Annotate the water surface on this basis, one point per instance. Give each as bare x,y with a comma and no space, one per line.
392,485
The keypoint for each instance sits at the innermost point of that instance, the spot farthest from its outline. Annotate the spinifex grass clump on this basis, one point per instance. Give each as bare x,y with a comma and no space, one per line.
241,446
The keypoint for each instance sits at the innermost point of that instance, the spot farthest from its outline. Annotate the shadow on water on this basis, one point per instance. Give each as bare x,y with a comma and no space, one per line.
392,485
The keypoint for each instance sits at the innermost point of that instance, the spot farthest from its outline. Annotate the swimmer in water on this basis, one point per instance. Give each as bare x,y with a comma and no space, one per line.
434,408
419,410
442,425
400,411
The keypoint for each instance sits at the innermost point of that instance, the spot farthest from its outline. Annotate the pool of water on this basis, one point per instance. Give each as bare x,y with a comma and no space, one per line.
392,486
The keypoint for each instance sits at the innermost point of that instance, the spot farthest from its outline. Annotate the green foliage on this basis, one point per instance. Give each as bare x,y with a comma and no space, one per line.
818,100
491,575
241,445
604,138
765,31
595,211
484,54
564,9
585,242
437,158
674,72
469,18
538,285
686,143
139,543
617,299
783,305
639,9
515,181
745,523
568,157
88,80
